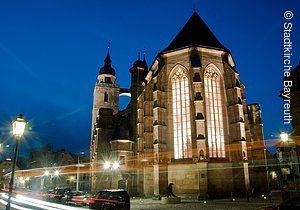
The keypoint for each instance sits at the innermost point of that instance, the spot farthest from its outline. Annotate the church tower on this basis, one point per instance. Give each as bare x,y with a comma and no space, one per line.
106,94
105,105
138,72
106,91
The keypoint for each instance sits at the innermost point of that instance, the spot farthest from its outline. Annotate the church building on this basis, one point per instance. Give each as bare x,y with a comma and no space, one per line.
187,123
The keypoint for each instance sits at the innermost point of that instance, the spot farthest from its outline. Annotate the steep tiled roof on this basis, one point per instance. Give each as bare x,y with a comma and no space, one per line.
194,33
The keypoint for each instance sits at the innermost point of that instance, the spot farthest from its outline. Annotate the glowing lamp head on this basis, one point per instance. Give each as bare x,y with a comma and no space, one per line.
46,173
19,125
115,165
106,165
284,137
56,173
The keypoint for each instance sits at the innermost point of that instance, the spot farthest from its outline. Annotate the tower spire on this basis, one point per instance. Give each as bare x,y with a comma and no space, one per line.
107,61
144,59
107,69
108,44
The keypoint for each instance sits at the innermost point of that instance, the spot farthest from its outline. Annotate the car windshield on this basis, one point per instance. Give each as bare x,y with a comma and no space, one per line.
120,196
62,191
74,193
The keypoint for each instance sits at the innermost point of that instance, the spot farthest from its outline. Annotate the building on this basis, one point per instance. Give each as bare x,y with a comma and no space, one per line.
187,123
295,100
67,164
5,167
288,153
295,111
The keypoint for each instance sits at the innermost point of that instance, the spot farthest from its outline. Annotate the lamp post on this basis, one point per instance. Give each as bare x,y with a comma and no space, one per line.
284,137
267,173
287,166
267,168
77,177
112,167
19,125
46,174
282,149
56,174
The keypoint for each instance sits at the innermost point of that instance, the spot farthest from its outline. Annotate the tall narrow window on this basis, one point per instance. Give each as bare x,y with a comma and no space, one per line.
105,97
181,115
214,114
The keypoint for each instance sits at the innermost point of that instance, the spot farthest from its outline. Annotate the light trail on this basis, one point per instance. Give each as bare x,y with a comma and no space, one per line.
46,204
136,161
22,199
12,205
36,203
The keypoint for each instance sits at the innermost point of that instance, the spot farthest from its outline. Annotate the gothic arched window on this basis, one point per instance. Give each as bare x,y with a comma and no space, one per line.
214,113
181,115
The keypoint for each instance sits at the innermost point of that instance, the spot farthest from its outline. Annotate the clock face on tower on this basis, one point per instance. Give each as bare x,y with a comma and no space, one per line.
107,80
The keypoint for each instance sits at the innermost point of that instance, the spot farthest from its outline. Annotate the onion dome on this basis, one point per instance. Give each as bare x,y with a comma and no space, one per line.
107,69
141,63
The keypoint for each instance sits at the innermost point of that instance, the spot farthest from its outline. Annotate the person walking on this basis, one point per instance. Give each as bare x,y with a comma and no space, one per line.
170,190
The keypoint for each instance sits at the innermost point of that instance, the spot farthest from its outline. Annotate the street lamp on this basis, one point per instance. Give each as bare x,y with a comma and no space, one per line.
77,177
106,165
112,166
46,173
267,169
56,174
19,125
284,137
115,165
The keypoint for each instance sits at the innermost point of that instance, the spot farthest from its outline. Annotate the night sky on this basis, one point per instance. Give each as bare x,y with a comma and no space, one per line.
51,52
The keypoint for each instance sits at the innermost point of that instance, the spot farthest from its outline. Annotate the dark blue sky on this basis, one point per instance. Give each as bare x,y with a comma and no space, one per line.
51,51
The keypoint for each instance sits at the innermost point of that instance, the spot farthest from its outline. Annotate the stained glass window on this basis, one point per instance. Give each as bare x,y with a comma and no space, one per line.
181,115
214,113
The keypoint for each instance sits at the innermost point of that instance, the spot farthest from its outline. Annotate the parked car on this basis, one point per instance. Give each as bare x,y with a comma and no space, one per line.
110,200
57,194
290,204
75,198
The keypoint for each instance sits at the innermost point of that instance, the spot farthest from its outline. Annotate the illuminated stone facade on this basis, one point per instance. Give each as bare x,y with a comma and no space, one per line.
190,124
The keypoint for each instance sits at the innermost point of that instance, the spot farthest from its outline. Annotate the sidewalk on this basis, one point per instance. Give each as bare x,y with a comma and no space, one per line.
220,204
